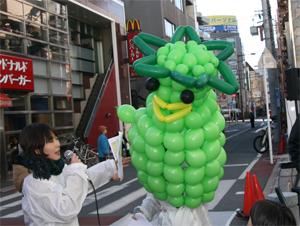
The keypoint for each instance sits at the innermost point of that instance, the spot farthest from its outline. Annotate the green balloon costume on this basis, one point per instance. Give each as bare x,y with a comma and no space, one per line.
177,140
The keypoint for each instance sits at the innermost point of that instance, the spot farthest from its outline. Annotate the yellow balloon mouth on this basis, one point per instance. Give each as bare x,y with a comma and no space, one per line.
158,103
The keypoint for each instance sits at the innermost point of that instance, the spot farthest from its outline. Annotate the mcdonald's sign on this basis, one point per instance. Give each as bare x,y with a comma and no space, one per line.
133,25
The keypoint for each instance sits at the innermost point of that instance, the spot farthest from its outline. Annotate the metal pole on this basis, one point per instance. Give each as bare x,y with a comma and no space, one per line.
268,117
240,81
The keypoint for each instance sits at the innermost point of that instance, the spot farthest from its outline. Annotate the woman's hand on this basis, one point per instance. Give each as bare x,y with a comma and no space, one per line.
124,160
75,159
133,216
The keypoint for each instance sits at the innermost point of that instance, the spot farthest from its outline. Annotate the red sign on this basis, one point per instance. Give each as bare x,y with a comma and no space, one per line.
133,25
5,101
132,73
16,73
133,52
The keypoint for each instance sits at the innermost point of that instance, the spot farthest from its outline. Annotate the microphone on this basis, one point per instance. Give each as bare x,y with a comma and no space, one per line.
68,155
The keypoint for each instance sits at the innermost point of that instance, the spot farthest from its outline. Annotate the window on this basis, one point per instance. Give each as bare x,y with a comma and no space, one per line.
169,28
179,5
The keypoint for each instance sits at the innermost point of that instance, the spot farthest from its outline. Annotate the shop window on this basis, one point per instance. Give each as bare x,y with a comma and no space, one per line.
14,7
76,77
60,54
77,92
58,38
40,67
97,34
40,3
63,119
87,54
39,103
57,22
41,118
36,32
61,86
59,70
169,28
34,14
18,102
86,40
12,43
73,24
88,29
36,48
55,7
82,27
62,103
41,85
14,122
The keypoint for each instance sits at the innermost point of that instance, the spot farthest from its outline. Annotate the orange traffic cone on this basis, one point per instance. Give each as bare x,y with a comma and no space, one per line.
258,194
282,145
248,198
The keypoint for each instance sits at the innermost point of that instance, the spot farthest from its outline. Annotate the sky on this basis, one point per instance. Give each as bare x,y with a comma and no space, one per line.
245,11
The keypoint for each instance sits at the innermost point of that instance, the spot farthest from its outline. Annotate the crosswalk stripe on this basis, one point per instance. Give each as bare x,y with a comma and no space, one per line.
120,203
14,195
13,215
11,204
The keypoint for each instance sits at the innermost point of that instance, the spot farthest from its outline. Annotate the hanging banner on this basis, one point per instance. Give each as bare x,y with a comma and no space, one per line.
133,52
16,73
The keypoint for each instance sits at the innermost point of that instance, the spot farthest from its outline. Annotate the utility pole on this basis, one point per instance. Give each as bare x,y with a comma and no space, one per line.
272,73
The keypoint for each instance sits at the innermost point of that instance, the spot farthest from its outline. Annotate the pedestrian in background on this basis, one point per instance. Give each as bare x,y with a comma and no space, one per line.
52,192
103,144
252,119
269,213
294,140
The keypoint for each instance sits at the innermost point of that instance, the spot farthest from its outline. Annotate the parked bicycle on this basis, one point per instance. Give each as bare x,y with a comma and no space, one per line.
261,142
87,154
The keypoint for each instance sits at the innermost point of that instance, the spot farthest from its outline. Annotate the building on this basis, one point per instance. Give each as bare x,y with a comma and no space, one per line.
77,54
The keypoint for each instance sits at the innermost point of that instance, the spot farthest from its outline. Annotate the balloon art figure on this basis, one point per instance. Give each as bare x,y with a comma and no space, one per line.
177,140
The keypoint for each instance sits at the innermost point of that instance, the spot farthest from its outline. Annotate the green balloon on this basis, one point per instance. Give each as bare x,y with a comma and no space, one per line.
212,95
192,202
157,184
189,60
164,92
200,94
211,131
218,120
154,136
138,144
155,169
132,132
215,61
179,47
160,125
156,153
197,103
165,81
175,97
194,175
163,51
142,176
174,190
193,120
204,112
161,60
175,126
126,113
184,130
222,157
194,191
208,197
144,124
178,87
173,141
193,139
204,48
139,113
195,158
212,168
198,70
221,174
211,105
161,195
149,110
211,149
148,189
182,69
202,57
209,68
194,49
222,139
210,184
150,98
139,160
174,158
176,56
174,174
176,201
131,150
211,54
190,43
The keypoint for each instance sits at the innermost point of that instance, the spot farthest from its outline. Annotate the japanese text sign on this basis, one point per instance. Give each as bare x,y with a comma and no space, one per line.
16,73
133,52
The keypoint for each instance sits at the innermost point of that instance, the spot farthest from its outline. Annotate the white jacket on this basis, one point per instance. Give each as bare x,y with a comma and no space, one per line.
58,201
162,213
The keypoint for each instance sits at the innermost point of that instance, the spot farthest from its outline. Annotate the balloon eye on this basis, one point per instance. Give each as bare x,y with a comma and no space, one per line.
152,84
187,96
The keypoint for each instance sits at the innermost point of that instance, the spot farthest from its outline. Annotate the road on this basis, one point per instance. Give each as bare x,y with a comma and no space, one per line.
116,199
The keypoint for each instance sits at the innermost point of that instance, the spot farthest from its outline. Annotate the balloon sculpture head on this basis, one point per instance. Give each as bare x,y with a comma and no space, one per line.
177,140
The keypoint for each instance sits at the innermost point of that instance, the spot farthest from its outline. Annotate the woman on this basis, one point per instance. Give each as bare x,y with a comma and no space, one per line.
53,193
103,144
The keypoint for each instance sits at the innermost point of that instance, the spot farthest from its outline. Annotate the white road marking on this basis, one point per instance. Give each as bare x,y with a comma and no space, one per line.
243,175
14,214
232,216
237,133
14,195
120,203
234,165
10,205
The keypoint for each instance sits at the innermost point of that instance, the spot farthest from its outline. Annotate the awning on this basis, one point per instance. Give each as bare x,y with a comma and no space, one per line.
5,101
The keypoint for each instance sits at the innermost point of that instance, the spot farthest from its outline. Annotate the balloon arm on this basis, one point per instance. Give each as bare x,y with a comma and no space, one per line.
225,53
152,40
150,60
143,46
220,85
151,71
189,30
178,35
216,44
228,75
